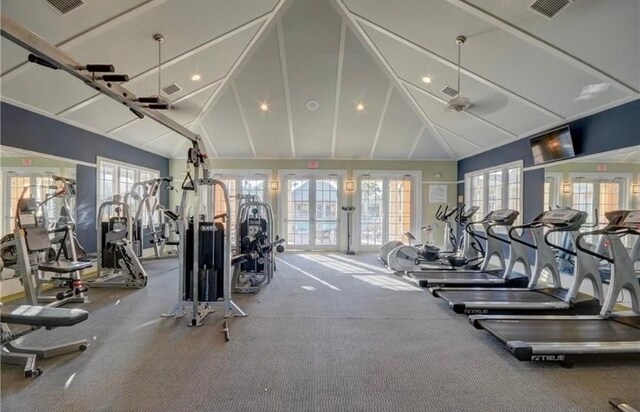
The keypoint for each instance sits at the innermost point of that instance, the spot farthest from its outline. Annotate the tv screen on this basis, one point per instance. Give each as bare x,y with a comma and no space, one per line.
552,146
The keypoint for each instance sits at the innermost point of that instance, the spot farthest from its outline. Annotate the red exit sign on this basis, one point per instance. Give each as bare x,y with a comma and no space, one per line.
26,161
601,167
313,164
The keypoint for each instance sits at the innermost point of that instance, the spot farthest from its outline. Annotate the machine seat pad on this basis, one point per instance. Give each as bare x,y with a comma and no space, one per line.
42,316
63,266
172,243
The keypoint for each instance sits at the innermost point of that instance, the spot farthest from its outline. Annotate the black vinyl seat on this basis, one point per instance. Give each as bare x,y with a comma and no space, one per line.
42,316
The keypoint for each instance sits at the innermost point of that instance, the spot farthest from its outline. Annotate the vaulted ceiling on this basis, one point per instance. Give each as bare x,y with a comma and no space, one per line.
311,63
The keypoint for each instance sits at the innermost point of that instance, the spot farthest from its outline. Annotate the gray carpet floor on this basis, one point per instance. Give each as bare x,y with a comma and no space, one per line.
336,336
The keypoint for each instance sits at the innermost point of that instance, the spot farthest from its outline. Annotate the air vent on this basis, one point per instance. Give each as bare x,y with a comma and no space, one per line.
171,89
65,6
450,91
549,8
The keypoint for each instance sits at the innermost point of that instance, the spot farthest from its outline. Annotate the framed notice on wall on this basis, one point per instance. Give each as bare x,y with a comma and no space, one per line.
437,193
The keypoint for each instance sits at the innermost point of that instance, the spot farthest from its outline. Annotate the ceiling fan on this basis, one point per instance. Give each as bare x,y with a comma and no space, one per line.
459,103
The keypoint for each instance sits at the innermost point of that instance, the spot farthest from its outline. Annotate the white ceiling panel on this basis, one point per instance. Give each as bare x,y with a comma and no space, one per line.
567,31
312,72
45,89
497,106
521,71
362,82
140,131
429,147
490,52
166,144
185,25
460,146
40,17
103,114
260,82
459,122
224,126
211,64
399,130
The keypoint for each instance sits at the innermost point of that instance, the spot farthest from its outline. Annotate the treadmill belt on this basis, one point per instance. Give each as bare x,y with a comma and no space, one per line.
492,295
453,275
570,330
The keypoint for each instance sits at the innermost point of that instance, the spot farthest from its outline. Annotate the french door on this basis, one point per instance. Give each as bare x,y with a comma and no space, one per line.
311,211
386,207
603,195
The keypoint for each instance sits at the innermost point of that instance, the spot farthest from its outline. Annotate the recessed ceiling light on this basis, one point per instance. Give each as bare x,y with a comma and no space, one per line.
264,107
426,79
360,107
195,77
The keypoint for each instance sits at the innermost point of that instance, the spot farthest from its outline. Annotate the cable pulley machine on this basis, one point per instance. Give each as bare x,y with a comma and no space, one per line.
209,251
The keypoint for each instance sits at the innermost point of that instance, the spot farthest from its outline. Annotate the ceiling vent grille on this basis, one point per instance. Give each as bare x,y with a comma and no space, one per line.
173,88
65,6
450,91
549,8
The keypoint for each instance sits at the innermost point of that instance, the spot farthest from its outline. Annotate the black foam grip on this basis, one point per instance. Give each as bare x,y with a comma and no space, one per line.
100,68
118,78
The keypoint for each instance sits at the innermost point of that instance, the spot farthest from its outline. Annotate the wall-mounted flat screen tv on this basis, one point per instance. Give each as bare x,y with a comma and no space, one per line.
551,146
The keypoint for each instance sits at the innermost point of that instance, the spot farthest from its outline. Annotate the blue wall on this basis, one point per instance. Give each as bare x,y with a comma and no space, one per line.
27,130
608,130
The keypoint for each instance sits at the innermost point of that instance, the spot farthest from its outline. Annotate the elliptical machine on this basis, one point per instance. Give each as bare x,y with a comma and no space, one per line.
467,254
254,264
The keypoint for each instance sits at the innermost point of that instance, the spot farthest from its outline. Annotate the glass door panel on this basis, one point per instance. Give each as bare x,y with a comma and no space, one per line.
371,211
399,208
326,212
298,213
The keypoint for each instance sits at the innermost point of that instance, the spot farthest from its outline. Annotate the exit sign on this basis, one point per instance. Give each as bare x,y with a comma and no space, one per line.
313,164
26,161
601,167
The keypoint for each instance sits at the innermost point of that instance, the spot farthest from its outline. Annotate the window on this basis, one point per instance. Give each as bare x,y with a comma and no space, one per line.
597,191
117,178
497,188
249,184
36,184
386,208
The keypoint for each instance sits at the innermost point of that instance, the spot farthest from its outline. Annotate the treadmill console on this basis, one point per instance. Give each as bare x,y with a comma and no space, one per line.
564,217
632,220
472,211
502,217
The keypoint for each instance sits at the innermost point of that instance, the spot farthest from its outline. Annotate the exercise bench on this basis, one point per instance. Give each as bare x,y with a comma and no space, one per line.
36,317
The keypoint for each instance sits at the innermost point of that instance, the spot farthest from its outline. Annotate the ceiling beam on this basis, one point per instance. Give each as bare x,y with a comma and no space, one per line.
243,58
415,143
181,99
95,30
336,103
177,59
542,44
471,142
464,112
384,64
245,123
385,106
454,65
285,83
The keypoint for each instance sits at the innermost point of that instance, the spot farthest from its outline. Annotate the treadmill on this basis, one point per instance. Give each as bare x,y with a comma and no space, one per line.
485,276
565,339
536,300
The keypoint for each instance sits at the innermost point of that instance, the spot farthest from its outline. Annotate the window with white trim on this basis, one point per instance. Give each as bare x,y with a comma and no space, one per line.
36,184
117,178
499,187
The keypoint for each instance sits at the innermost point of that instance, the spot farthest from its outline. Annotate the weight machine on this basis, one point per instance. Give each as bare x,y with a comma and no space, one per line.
118,264
255,244
203,255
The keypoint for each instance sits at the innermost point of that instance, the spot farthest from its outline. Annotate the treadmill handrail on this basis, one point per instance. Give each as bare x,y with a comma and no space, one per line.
526,226
493,235
474,233
555,246
614,230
